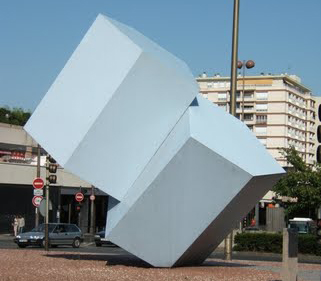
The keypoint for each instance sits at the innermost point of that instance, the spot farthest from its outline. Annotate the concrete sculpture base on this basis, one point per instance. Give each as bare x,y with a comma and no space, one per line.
180,171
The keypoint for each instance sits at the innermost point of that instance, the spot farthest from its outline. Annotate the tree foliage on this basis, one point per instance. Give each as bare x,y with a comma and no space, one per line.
15,116
302,182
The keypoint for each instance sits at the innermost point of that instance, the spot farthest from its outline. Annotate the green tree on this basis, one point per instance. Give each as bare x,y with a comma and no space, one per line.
302,182
15,116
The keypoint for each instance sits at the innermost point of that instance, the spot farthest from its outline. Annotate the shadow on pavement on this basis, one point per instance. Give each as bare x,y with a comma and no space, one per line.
126,260
130,260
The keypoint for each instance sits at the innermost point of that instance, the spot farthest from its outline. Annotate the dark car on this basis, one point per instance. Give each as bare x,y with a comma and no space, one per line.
59,234
101,240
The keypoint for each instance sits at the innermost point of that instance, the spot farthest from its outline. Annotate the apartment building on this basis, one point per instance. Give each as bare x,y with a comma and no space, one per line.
278,109
318,130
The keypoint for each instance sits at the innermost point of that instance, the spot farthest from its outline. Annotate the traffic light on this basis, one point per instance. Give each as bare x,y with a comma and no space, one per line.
51,159
52,169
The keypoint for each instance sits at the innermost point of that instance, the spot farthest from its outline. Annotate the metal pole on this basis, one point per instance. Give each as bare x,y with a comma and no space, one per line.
229,238
59,205
69,212
47,207
234,58
79,213
38,176
243,91
92,210
257,215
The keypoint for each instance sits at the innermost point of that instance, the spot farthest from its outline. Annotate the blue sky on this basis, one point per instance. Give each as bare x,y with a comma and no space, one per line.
38,36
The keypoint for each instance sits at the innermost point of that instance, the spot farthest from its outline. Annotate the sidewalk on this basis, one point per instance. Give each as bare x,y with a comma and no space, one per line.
6,237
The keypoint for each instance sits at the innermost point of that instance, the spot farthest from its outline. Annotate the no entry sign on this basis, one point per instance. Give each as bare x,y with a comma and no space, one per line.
36,200
79,196
38,183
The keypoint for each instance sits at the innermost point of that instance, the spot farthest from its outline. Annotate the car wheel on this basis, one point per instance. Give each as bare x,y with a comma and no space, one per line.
76,243
98,244
21,246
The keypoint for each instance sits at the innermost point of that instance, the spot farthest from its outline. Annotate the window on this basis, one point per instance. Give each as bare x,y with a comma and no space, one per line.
72,228
221,96
261,119
262,95
248,95
262,107
248,117
248,107
60,229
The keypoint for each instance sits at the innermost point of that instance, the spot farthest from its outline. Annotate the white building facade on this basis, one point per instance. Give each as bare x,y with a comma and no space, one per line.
279,110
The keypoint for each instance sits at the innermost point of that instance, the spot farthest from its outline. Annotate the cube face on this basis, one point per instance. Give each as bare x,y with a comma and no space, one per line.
117,101
82,89
179,205
230,138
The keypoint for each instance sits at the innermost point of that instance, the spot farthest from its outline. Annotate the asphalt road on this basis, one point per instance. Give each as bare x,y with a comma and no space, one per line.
6,242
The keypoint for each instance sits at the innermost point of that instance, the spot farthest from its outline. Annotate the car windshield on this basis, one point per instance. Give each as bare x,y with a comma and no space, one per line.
41,228
301,227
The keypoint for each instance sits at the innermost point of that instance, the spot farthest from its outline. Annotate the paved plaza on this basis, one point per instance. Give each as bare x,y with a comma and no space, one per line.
28,264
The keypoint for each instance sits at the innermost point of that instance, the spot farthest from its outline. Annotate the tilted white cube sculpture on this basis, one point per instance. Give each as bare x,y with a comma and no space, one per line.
180,171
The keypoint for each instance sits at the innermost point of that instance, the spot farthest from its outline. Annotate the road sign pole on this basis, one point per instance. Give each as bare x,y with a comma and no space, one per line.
92,211
47,207
38,176
79,197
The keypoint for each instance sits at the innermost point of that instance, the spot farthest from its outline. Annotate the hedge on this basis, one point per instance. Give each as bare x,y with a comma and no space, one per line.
272,242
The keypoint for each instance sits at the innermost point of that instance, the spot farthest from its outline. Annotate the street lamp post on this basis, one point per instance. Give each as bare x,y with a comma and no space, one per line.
242,65
233,85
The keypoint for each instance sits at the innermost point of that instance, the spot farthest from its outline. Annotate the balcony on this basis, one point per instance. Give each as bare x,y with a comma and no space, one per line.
261,122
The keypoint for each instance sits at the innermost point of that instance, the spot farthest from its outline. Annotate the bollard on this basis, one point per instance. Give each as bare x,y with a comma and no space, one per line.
228,244
289,270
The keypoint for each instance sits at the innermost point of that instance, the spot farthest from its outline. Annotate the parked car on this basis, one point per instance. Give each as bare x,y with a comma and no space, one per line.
101,240
303,225
59,234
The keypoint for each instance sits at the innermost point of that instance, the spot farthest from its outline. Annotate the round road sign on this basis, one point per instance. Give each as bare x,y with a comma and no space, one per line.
36,200
38,183
79,196
92,197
